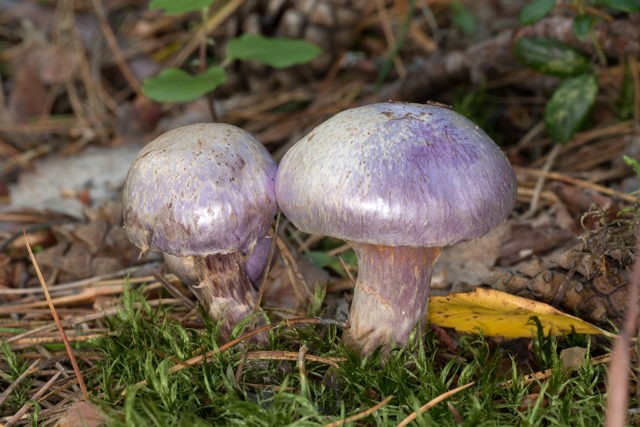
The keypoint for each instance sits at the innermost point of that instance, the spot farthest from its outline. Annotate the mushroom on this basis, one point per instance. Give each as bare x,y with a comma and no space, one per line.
398,181
204,193
184,267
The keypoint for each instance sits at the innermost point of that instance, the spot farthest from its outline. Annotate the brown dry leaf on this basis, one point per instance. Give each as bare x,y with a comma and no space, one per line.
55,64
82,413
496,313
280,294
573,357
28,96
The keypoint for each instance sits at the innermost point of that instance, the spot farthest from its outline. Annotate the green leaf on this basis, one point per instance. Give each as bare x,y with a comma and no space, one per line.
550,56
628,6
633,163
569,106
535,11
582,26
278,53
175,85
462,18
322,260
176,7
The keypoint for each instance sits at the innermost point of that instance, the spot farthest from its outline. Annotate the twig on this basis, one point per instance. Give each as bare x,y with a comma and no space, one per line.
304,246
40,226
241,364
290,355
347,270
402,34
525,194
533,206
360,415
86,295
90,115
101,280
385,22
424,408
56,319
112,311
115,49
16,383
173,290
194,41
265,275
578,182
200,358
16,417
28,342
298,284
618,380
543,375
342,248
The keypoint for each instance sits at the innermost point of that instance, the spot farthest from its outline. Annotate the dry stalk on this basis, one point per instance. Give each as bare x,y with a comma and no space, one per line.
202,357
618,379
63,335
424,408
360,415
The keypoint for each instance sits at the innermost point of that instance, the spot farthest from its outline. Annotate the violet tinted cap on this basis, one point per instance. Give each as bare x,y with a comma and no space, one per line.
257,260
199,190
396,174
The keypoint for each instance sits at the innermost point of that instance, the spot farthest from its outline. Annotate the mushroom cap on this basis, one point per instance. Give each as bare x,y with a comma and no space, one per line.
396,174
199,190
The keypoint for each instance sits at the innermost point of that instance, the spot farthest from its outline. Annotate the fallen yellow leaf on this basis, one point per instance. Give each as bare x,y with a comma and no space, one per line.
495,313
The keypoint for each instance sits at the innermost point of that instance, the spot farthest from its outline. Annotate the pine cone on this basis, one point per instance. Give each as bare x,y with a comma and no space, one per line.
589,278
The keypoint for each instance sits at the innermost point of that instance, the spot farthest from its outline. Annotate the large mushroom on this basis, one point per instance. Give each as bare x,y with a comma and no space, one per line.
398,181
204,193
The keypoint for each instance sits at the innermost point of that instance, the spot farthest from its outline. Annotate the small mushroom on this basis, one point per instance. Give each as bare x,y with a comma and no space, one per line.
184,267
398,181
204,193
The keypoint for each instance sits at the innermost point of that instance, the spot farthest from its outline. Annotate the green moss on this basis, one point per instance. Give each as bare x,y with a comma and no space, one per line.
229,390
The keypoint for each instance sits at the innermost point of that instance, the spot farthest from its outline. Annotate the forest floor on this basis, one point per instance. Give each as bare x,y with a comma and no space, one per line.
74,114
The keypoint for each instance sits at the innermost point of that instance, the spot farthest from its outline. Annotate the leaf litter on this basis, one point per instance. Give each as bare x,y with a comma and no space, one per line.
571,255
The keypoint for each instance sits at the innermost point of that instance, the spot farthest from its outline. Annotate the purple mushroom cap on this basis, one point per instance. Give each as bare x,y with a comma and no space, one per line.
199,190
257,260
396,174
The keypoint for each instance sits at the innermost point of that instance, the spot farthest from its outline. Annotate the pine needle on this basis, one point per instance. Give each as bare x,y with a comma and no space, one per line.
56,319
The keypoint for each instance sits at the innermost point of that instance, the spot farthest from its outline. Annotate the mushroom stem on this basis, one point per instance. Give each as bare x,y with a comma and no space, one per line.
391,295
225,289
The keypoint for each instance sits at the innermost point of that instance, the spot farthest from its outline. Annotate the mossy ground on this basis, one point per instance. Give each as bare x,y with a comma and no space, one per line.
240,386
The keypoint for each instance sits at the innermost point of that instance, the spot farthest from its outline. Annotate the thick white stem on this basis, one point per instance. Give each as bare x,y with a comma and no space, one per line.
391,295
